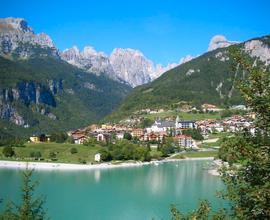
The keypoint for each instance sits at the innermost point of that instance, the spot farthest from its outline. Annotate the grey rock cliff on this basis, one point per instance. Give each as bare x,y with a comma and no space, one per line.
131,66
258,49
220,41
124,64
90,60
17,38
28,93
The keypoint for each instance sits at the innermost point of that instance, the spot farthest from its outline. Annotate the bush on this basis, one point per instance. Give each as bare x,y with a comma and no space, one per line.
126,150
105,155
194,133
127,136
70,140
8,151
166,149
73,150
52,155
59,137
91,141
82,161
35,154
12,142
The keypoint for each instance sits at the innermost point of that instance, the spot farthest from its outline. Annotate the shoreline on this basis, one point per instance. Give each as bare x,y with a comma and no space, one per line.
4,164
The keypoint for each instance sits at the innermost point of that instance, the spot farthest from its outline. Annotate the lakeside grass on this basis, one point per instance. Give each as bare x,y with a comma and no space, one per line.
219,136
195,154
85,153
62,151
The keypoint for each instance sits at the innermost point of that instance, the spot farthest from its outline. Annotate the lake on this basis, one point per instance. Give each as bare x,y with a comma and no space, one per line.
131,193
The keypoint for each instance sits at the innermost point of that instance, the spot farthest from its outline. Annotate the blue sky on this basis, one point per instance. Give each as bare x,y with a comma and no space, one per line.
164,30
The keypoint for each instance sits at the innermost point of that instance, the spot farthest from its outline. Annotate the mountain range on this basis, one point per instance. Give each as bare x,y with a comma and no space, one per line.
40,92
126,64
43,89
208,78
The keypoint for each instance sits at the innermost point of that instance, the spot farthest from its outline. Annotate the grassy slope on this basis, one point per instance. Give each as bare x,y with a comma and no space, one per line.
64,156
195,154
183,115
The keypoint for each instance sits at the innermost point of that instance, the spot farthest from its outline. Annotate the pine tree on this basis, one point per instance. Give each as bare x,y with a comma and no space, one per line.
29,208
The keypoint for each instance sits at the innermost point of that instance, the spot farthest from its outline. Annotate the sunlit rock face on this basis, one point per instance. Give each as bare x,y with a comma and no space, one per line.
19,40
219,41
131,66
124,64
90,60
257,49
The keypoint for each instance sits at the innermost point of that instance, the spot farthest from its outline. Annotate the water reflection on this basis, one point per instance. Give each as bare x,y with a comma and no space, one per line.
123,193
97,175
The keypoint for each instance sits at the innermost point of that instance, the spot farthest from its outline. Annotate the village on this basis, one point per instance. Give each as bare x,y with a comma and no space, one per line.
186,135
164,128
182,135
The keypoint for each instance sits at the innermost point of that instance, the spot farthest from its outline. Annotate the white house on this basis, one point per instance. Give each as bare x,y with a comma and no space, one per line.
103,137
161,126
184,124
120,136
186,141
97,157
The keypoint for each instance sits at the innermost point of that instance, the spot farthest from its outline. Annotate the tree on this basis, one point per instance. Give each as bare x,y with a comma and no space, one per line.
91,141
142,153
146,122
105,155
8,151
52,155
248,183
127,136
203,212
247,175
60,137
194,133
168,147
30,208
73,150
36,155
70,140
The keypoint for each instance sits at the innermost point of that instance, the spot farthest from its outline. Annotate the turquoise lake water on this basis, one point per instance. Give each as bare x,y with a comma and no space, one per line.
131,193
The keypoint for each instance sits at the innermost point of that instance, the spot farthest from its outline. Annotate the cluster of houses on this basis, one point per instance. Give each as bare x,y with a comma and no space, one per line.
157,133
161,129
232,124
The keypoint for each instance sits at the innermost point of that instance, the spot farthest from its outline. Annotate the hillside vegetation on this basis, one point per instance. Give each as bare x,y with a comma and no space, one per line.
46,86
209,78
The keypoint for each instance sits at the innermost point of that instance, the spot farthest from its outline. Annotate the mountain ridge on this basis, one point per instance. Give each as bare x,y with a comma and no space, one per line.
208,78
40,92
124,65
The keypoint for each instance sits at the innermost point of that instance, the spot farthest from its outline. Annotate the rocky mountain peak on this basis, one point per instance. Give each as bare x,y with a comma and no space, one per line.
14,25
17,38
71,54
219,41
88,52
89,59
124,64
131,66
